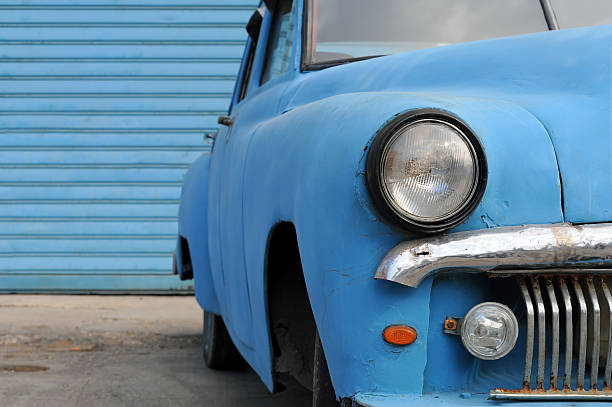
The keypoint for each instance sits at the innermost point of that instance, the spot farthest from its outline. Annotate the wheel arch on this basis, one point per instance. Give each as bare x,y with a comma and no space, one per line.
291,324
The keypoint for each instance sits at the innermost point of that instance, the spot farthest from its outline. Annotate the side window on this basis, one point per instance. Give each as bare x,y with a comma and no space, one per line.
280,42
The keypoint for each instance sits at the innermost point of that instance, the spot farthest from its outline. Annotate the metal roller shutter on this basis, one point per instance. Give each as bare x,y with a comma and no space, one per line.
103,106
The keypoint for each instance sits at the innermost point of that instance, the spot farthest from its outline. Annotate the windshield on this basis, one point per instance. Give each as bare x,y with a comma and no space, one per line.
341,30
572,13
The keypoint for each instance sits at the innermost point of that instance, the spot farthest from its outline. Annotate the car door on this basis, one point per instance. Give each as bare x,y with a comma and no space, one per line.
225,203
257,100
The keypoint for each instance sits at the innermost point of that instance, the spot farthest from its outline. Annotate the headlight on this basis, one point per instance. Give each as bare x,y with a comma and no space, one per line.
489,331
427,171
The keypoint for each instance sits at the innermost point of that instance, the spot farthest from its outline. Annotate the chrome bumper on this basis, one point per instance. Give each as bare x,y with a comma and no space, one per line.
531,246
584,395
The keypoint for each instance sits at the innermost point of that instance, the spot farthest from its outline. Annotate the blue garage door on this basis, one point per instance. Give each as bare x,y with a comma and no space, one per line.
103,106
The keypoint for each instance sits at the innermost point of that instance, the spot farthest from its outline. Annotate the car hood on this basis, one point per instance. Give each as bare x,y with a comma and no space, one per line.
563,78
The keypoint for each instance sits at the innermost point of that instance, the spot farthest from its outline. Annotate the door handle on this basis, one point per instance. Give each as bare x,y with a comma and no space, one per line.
225,120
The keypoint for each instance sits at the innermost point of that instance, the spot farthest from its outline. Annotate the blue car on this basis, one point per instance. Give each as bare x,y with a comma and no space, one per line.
410,203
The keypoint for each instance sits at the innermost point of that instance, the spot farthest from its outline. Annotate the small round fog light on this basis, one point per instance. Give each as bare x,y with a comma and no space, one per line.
489,331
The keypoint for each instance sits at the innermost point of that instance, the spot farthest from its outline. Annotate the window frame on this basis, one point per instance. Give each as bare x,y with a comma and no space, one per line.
254,87
247,62
248,69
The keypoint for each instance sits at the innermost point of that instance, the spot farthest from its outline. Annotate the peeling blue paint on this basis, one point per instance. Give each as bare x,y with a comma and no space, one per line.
488,222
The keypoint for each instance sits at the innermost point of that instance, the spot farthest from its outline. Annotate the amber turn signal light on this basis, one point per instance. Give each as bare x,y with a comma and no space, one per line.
400,334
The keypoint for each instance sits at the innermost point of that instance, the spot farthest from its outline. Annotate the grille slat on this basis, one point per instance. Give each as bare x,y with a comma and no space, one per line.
530,332
608,372
537,293
554,310
595,332
569,333
582,340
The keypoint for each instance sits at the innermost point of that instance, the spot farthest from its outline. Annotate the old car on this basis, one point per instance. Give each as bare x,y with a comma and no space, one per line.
410,203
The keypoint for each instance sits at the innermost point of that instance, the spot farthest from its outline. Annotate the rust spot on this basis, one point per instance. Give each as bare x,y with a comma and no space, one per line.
450,324
416,169
543,392
563,237
515,391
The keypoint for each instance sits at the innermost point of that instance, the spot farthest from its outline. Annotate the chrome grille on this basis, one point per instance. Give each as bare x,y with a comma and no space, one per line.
583,300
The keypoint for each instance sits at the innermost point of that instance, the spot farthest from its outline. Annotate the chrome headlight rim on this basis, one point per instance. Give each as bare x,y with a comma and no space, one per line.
376,160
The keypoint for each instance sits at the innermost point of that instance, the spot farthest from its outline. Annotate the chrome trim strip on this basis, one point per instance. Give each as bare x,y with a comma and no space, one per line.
555,245
595,335
537,293
583,334
608,371
549,15
499,394
573,271
530,333
569,334
554,309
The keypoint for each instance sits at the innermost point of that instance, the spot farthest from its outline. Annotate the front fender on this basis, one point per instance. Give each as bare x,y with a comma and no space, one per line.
193,227
316,180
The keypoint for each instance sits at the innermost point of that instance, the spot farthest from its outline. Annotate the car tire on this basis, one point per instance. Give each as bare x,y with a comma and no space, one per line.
218,349
323,394
174,265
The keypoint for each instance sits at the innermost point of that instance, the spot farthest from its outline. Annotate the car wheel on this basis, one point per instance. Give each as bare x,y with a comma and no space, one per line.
323,394
219,350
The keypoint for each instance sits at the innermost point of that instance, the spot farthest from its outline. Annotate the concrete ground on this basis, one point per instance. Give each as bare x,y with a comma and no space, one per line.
116,351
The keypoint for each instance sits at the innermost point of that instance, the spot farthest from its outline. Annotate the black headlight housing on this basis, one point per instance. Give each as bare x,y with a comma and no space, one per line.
384,150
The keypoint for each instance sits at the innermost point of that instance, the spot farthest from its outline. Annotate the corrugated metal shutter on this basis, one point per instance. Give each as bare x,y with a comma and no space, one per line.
103,106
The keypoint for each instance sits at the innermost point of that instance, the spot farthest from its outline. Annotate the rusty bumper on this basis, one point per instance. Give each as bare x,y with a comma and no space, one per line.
522,247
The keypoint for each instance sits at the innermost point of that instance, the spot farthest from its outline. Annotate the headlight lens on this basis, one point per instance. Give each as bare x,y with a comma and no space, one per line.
426,171
489,331
429,171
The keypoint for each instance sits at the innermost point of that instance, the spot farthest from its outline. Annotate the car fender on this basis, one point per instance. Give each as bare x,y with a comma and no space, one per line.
307,166
193,227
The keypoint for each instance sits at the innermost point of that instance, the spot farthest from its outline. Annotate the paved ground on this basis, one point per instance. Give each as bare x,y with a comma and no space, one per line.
116,351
